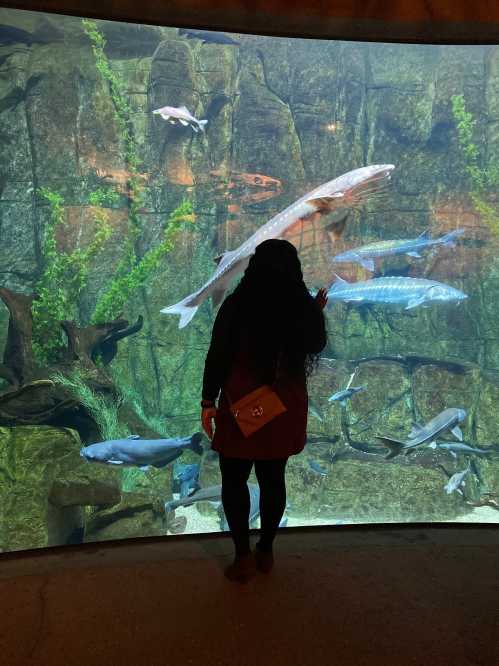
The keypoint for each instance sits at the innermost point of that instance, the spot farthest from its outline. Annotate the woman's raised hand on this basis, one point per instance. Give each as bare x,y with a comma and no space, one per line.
321,298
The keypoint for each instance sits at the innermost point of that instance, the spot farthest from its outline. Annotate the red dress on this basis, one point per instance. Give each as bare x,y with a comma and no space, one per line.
229,369
284,436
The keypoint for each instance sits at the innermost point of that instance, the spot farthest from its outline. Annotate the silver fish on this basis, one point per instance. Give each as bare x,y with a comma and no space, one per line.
446,420
182,115
411,247
346,394
459,447
407,291
137,452
317,467
348,191
456,480
213,494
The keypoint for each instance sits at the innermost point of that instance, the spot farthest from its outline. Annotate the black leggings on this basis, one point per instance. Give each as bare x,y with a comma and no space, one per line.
236,499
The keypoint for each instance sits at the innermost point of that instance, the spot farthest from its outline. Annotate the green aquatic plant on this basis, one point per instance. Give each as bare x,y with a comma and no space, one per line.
134,400
106,197
483,181
123,114
63,277
127,281
103,409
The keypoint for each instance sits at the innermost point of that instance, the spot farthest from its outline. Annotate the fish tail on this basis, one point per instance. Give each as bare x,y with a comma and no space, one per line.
182,308
170,506
195,444
395,446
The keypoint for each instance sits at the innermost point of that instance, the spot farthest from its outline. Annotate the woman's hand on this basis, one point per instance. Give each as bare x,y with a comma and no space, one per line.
207,416
321,298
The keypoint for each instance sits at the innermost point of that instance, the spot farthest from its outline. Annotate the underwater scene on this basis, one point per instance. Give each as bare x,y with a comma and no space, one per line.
140,167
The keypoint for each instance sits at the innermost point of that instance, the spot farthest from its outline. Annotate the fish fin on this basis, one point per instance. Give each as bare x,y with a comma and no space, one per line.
324,204
457,432
424,234
195,443
115,462
201,124
414,302
183,309
453,454
170,506
133,437
368,264
432,445
183,122
194,128
172,121
343,403
395,446
217,297
336,228
224,258
433,442
414,254
339,280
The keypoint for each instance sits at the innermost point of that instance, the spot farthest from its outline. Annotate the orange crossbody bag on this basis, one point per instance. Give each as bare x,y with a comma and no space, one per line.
256,409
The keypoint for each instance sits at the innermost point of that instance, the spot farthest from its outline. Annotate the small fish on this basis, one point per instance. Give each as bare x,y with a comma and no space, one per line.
185,478
456,481
137,452
208,36
348,191
459,447
181,115
346,394
407,291
446,420
317,467
411,247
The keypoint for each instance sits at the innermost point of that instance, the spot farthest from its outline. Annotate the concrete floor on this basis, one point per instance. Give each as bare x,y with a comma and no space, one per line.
347,595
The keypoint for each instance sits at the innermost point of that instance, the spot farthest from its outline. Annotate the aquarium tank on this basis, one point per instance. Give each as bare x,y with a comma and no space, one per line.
133,157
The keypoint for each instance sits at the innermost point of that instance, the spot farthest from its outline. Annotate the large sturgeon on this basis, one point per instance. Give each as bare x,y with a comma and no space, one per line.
348,191
446,420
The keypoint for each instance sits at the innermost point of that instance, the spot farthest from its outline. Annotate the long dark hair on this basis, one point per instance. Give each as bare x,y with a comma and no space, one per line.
275,310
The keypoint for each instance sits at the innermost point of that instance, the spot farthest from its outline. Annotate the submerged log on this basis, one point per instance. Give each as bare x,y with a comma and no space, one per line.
32,398
18,360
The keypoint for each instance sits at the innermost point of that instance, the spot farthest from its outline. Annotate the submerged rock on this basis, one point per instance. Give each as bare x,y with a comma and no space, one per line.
39,464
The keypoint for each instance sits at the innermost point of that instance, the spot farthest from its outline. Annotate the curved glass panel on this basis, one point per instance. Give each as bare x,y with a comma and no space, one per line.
131,157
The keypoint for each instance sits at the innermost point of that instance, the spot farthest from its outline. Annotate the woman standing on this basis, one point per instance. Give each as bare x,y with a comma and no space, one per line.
267,332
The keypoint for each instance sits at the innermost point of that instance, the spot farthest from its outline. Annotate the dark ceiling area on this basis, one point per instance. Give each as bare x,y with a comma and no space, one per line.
431,21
